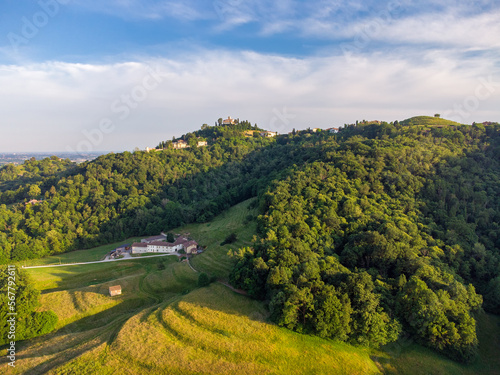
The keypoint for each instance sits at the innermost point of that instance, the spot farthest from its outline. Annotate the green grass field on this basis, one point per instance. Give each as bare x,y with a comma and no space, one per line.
215,259
427,121
163,323
91,255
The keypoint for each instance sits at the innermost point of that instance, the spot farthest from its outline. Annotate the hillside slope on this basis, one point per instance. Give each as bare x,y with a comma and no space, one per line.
427,121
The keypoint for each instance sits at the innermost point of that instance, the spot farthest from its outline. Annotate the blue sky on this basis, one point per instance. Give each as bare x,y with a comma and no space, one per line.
90,75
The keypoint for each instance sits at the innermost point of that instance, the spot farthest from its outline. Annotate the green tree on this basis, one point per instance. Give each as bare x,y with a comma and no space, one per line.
170,237
24,301
203,280
34,191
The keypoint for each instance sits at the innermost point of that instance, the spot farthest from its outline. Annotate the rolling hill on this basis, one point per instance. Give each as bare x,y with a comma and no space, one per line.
427,121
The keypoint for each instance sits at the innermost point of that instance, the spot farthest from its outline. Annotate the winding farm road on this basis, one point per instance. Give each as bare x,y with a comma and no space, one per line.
99,261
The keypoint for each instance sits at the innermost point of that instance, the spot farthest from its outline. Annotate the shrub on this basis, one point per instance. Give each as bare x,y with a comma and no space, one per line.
230,239
203,280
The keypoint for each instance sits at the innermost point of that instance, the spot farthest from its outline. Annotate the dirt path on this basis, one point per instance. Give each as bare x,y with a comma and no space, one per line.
239,291
189,264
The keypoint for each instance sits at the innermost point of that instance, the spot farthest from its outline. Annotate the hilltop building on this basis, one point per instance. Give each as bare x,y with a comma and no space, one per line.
33,201
268,134
229,121
333,130
180,144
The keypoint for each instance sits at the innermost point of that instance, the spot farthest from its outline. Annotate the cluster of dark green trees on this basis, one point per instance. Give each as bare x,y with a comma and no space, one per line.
23,300
395,228
380,229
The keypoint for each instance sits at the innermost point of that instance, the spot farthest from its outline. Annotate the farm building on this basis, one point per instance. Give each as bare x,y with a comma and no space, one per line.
115,290
190,247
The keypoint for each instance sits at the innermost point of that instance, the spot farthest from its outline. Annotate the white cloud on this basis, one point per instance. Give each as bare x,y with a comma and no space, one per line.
446,30
54,102
452,23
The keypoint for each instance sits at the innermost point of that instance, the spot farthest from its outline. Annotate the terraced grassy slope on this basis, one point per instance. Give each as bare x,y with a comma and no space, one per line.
211,330
215,260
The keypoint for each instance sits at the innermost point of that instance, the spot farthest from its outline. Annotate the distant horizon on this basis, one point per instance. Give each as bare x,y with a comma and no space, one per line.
153,144
55,152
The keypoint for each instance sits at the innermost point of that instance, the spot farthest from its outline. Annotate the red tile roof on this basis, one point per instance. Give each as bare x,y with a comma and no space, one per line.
154,238
181,240
161,243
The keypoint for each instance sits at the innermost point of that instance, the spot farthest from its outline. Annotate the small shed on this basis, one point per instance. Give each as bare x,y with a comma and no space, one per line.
115,290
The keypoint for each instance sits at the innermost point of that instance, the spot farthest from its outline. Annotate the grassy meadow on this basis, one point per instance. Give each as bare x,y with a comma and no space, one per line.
163,323
215,259
77,256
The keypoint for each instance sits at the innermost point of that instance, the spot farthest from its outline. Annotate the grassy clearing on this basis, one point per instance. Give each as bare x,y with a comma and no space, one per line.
77,256
215,331
70,277
178,279
215,260
427,121
211,235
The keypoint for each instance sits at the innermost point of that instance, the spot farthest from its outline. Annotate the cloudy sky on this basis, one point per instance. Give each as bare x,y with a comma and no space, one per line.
94,75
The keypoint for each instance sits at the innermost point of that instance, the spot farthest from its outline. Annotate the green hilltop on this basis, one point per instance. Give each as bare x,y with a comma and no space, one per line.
427,121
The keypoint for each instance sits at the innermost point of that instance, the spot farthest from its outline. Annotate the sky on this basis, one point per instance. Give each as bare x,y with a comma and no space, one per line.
89,75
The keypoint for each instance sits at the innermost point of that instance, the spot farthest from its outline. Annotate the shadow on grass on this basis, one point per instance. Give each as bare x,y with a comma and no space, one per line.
105,325
95,274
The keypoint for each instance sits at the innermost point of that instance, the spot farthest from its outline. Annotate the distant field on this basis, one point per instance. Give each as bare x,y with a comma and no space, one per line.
164,324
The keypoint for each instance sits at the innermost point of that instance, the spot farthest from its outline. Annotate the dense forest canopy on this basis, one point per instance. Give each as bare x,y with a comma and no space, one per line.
395,228
365,234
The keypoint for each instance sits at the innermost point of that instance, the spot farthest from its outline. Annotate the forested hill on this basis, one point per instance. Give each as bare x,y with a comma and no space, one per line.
377,230
117,196
388,232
